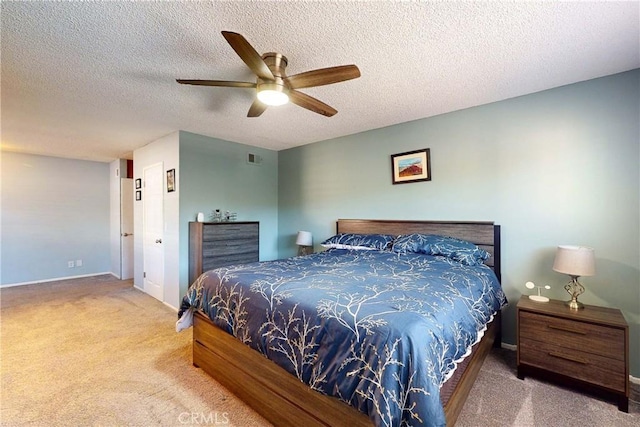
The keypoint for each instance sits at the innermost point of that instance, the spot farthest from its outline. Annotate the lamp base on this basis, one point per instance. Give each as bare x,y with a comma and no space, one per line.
574,304
575,289
304,250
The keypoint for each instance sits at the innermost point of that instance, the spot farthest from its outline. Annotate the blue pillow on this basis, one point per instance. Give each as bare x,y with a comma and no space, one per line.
459,250
369,242
412,243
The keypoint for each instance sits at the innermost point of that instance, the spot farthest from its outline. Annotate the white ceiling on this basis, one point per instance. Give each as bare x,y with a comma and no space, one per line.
96,80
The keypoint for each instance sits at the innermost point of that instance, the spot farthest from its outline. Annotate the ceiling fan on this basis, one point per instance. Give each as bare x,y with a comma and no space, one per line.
273,86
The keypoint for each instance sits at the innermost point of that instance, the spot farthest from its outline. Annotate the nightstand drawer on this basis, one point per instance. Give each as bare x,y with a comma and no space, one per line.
590,346
584,366
599,340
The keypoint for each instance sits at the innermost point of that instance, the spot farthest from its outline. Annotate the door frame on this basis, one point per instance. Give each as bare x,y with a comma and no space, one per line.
126,208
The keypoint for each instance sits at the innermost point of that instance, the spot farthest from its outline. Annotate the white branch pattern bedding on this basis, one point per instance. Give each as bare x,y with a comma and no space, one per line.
380,330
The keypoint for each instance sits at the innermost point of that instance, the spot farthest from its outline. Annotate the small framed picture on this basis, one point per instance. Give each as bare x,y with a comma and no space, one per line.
412,166
138,195
138,183
171,180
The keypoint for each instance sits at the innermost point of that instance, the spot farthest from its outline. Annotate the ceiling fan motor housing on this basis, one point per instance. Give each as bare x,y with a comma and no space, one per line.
276,63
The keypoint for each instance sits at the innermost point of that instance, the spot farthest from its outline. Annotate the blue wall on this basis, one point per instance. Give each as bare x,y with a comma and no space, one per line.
53,211
214,174
555,167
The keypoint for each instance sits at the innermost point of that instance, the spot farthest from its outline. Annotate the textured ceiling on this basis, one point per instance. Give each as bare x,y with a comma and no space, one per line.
96,80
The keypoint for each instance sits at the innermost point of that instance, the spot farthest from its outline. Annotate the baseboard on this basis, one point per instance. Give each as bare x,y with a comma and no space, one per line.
511,347
57,279
634,389
171,307
634,383
165,303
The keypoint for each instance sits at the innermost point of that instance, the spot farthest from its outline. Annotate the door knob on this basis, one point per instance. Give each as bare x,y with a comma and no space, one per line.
158,240
127,234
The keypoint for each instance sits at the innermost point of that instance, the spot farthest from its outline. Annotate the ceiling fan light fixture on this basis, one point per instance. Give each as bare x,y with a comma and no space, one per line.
273,86
272,94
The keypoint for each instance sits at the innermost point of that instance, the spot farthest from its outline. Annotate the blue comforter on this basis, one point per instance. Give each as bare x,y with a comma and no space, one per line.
379,330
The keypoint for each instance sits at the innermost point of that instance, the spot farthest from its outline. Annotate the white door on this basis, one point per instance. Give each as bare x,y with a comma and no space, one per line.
153,227
126,228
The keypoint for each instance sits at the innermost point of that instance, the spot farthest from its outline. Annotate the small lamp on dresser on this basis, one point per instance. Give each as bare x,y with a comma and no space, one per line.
575,261
304,242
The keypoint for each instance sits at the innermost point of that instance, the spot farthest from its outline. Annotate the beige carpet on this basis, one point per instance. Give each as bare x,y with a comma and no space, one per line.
98,352
499,398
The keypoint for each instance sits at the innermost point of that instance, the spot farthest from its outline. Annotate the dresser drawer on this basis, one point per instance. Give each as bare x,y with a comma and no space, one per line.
229,259
584,366
223,232
599,340
228,247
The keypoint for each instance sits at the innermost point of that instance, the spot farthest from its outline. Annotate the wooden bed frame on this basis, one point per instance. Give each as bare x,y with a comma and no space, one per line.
285,401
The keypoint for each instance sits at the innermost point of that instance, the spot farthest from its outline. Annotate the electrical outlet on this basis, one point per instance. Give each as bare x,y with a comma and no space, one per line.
70,264
78,263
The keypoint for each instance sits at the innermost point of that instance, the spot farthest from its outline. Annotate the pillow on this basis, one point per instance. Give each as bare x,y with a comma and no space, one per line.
459,250
412,243
369,242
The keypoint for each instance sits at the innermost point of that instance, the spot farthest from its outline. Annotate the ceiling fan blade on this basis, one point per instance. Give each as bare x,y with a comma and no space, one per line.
216,83
248,54
323,76
310,103
256,109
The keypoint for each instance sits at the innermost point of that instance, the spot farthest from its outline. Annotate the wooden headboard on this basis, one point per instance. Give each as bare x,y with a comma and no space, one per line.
485,234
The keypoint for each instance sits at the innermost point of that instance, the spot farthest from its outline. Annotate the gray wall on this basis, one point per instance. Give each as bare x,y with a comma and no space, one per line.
214,174
53,211
555,167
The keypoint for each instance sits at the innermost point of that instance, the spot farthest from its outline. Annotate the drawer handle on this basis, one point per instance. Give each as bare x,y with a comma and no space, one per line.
570,358
560,328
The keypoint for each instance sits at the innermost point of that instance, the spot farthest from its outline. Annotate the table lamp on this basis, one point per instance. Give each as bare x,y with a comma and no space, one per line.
304,242
575,261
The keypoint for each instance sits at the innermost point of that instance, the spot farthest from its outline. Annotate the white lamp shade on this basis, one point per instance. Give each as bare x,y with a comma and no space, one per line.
304,238
575,260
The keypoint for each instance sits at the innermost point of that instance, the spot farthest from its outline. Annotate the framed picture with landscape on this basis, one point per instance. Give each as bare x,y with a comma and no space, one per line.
412,166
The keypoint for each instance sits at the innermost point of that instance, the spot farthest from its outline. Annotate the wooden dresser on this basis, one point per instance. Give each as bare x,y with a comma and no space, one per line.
218,244
587,348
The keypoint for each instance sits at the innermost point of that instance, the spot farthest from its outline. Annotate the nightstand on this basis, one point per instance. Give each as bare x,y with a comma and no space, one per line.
586,348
